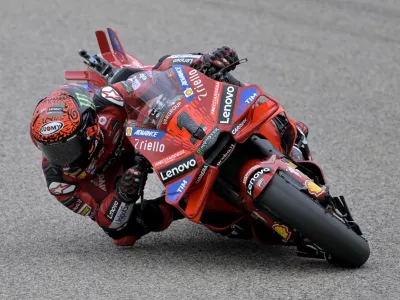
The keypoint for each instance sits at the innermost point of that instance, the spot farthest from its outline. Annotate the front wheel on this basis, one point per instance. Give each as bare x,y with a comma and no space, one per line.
306,215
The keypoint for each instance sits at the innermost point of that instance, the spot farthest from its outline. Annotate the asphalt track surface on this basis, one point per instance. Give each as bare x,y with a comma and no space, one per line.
333,64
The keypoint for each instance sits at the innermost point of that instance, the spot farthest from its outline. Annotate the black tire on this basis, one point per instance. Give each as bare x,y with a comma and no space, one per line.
300,211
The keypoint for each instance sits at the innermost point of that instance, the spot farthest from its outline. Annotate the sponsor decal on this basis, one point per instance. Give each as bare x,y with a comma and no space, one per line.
101,152
226,154
109,93
112,209
51,128
170,73
85,210
134,81
73,174
118,150
227,104
175,190
123,213
115,125
246,98
102,120
197,85
142,76
56,110
170,158
238,127
85,100
100,181
261,183
183,82
215,98
246,176
282,230
149,146
183,61
58,188
179,168
294,171
253,180
147,133
77,205
201,175
82,175
185,56
208,141
188,93
127,87
92,167
313,188
116,136
171,111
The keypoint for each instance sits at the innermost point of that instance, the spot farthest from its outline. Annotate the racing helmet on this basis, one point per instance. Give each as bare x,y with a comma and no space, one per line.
65,128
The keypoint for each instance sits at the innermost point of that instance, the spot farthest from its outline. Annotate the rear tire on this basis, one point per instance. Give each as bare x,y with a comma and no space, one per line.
301,212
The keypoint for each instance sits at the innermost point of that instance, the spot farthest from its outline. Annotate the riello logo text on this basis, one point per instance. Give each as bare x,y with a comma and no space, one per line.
51,127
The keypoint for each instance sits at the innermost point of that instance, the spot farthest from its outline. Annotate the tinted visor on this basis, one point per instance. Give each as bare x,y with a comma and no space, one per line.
64,153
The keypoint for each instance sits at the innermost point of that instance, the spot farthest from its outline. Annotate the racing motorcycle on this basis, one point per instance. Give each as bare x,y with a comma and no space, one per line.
214,146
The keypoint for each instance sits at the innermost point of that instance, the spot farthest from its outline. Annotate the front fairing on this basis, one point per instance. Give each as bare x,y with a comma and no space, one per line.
157,130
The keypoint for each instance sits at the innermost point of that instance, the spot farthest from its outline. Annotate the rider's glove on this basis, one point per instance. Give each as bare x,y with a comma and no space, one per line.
218,59
128,185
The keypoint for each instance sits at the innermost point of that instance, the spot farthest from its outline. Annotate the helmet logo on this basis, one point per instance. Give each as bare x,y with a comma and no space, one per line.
51,127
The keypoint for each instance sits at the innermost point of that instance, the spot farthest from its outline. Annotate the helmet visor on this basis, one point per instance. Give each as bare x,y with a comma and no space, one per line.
64,153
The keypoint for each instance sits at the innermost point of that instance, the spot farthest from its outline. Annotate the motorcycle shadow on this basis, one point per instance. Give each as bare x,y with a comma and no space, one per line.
209,250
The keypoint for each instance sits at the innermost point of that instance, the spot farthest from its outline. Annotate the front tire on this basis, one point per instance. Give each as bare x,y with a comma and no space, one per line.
301,212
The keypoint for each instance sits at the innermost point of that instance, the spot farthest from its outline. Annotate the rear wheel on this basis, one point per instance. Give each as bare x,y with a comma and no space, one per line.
306,215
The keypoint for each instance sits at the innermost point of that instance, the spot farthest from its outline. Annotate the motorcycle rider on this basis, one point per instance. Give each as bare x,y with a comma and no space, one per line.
88,163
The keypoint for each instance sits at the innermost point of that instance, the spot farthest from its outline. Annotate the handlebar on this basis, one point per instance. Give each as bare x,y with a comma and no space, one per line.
221,74
98,64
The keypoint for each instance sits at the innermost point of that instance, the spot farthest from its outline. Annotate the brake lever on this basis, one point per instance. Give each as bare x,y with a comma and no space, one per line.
98,64
221,73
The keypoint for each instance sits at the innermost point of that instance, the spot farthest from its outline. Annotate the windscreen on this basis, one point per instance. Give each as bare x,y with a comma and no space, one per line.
155,92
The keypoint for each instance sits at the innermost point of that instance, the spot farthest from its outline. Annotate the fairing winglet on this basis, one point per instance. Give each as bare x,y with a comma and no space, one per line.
116,45
119,51
104,46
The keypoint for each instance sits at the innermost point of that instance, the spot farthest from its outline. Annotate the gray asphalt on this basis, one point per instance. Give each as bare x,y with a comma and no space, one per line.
333,64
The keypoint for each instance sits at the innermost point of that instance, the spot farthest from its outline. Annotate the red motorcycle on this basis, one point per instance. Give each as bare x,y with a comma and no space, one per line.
215,148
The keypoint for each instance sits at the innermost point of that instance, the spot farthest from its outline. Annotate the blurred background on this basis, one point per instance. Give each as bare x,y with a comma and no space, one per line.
333,64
